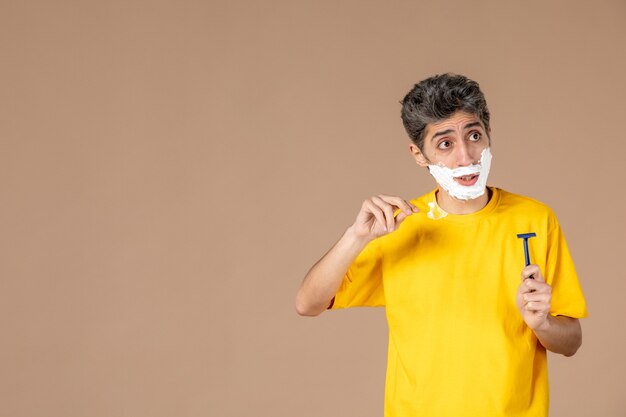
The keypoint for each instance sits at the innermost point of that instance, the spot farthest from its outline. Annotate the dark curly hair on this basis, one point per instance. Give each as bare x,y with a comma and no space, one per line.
436,98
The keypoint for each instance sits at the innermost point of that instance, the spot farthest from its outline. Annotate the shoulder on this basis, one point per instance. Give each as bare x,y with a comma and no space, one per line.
525,204
528,210
422,201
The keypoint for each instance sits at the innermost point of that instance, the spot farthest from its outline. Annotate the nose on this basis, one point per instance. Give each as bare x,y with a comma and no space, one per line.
463,157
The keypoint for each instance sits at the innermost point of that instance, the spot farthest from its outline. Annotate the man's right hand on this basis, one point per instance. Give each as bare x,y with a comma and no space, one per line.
376,217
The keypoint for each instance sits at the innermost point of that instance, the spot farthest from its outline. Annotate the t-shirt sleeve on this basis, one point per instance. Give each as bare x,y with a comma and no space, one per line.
362,284
567,296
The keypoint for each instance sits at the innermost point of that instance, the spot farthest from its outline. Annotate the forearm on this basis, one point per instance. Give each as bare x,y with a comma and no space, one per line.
560,334
324,278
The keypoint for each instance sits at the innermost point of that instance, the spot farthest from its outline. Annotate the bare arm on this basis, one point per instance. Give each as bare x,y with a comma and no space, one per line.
375,219
324,278
560,334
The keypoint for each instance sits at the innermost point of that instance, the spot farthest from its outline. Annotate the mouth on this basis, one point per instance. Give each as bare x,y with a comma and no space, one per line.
467,180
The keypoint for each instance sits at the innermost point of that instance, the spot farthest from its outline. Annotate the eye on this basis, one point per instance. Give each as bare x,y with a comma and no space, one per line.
475,136
444,144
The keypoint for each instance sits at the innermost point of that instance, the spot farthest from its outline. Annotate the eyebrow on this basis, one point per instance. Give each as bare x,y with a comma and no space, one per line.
445,132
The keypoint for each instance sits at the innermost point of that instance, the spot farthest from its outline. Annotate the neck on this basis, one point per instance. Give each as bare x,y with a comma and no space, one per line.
455,206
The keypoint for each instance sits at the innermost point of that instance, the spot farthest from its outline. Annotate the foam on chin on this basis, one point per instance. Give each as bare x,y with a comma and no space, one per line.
445,177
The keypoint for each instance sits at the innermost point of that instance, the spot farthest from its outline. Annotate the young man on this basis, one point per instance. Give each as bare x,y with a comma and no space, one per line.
469,323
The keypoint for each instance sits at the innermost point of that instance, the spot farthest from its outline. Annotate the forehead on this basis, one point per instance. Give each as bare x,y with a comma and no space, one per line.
456,122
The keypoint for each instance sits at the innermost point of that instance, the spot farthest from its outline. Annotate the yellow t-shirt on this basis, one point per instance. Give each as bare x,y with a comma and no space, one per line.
458,345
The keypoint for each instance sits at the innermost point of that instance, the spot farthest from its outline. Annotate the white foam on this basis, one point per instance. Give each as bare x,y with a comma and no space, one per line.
445,177
435,212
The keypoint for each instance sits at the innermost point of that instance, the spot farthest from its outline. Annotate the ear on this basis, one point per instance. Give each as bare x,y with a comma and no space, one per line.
419,157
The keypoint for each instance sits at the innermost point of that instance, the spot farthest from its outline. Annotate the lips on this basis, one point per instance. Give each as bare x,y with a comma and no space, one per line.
467,180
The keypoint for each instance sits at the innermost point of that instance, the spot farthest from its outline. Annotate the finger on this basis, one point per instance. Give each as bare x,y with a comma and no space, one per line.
399,218
397,202
400,211
528,286
377,212
536,296
531,285
538,275
537,306
530,270
387,209
406,206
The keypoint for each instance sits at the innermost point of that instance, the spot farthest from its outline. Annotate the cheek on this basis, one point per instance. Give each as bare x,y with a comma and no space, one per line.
477,149
444,157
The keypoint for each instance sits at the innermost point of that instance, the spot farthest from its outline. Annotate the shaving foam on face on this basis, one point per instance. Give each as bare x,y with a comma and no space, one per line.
435,212
445,177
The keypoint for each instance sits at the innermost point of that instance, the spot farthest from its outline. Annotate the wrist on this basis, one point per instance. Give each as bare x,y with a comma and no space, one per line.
354,239
546,325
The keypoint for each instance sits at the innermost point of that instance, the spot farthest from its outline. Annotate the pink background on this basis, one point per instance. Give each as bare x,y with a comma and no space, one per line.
169,171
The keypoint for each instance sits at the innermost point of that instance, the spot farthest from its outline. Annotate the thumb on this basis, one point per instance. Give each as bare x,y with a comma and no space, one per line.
400,217
533,271
538,275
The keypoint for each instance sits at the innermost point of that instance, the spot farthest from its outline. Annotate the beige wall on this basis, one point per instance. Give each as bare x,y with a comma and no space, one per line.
170,170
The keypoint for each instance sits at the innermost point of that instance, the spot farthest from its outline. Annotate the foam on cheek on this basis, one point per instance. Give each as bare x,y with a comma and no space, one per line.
445,177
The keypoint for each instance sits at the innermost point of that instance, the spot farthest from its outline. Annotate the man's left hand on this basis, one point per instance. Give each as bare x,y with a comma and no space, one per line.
533,298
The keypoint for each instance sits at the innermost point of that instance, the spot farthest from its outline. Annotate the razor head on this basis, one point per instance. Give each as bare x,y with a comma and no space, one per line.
526,235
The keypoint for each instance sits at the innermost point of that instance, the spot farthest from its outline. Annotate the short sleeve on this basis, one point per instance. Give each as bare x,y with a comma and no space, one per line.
362,284
567,296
